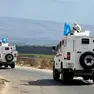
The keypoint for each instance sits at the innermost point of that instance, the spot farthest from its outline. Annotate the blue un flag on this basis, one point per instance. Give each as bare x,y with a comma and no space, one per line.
3,40
67,29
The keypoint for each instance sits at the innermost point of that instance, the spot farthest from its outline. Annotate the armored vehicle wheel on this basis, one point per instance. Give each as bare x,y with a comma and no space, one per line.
85,78
66,76
6,66
56,74
12,65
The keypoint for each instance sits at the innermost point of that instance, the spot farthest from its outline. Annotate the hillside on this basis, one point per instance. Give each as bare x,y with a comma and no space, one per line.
26,31
33,32
35,50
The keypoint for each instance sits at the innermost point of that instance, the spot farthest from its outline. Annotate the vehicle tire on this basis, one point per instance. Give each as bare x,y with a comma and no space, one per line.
85,78
93,80
12,65
6,66
0,65
9,57
87,60
56,74
66,76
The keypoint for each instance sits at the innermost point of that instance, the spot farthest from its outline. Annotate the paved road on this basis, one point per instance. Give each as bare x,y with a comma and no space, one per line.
31,81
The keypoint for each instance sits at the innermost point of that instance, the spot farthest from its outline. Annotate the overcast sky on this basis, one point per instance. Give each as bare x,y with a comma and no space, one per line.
81,11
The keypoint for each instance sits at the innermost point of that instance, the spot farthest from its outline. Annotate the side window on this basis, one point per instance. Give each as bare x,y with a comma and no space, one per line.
0,43
60,43
57,47
64,43
61,46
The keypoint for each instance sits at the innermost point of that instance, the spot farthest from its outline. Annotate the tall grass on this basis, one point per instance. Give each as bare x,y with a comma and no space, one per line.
38,62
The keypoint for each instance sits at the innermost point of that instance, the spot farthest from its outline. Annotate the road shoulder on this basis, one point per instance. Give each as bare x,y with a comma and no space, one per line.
30,68
4,84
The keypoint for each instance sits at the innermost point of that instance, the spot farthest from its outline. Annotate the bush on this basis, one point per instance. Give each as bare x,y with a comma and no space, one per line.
39,62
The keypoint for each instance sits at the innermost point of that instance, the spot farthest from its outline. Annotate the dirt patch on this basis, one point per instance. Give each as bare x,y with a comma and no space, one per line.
39,62
2,83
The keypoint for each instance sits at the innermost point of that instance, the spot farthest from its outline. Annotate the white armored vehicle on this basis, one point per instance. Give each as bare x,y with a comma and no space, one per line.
8,55
74,57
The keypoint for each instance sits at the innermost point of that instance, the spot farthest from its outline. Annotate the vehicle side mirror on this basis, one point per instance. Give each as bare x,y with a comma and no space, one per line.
54,48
